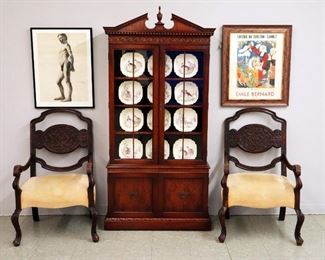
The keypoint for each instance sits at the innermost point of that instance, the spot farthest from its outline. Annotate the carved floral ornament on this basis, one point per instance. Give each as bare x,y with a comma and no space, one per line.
61,139
255,138
155,40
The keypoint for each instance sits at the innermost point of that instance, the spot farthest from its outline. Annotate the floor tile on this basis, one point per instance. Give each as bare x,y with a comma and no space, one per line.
19,253
115,250
242,240
278,236
209,249
131,236
320,219
169,244
248,238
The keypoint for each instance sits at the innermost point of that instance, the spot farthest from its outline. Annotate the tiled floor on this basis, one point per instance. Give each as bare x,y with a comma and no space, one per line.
249,237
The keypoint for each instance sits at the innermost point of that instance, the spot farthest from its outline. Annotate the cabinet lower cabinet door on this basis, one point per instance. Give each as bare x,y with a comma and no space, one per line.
158,201
183,195
130,196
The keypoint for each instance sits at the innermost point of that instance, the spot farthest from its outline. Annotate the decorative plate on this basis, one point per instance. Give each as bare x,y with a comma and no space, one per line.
189,117
126,151
132,64
149,149
185,149
149,119
130,92
166,149
131,119
167,119
186,65
168,65
186,93
168,92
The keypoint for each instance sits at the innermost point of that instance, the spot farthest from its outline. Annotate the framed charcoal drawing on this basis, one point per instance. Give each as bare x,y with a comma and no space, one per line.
62,67
256,65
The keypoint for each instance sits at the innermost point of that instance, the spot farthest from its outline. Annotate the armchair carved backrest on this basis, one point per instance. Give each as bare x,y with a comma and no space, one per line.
257,187
60,139
255,138
56,190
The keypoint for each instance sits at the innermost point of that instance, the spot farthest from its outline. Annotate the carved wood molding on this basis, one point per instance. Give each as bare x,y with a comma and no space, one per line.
158,40
153,220
160,33
255,138
60,138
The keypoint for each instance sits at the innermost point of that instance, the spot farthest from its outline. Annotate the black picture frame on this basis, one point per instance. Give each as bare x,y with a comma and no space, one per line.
62,67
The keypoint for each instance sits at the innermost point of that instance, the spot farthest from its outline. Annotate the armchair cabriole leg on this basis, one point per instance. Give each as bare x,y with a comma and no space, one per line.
282,213
300,221
94,234
222,213
227,215
15,222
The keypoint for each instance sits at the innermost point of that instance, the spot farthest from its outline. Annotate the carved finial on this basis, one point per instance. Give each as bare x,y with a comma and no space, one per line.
159,17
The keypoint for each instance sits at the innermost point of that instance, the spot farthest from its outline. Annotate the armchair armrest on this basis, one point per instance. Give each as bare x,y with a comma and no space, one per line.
224,186
90,173
18,169
91,180
89,167
296,169
225,173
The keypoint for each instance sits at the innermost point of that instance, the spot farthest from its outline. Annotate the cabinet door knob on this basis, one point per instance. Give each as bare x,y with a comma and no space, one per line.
184,194
133,194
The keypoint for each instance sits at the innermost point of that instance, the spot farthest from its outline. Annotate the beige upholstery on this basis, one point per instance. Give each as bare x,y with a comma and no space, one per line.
260,190
55,191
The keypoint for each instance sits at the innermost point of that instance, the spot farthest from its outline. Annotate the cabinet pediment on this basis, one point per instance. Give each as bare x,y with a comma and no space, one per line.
137,26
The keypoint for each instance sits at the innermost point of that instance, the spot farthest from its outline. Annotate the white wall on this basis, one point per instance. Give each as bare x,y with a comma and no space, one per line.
305,114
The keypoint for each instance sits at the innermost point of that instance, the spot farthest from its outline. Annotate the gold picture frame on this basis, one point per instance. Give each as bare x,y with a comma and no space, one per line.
256,65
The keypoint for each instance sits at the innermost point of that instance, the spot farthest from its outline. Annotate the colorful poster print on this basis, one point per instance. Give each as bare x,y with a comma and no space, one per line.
256,61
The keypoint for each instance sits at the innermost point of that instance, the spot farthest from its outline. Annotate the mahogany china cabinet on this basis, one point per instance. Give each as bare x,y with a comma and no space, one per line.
158,104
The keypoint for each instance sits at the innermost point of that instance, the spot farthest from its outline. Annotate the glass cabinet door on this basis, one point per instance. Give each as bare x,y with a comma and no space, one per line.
183,106
133,104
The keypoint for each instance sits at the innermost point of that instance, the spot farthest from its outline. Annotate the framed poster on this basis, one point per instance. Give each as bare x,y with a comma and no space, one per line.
62,67
256,65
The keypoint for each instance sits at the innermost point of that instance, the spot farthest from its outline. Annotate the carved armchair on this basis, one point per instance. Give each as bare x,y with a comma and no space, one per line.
57,190
255,187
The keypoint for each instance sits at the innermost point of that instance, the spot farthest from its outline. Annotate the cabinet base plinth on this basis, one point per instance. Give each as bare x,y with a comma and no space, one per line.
157,223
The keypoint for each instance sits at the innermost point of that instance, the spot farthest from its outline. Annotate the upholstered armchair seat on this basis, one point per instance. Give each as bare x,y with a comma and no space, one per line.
55,191
260,190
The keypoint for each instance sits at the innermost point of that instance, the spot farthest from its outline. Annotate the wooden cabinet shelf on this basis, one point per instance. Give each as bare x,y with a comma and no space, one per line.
133,133
184,106
158,100
183,133
136,106
133,78
183,79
